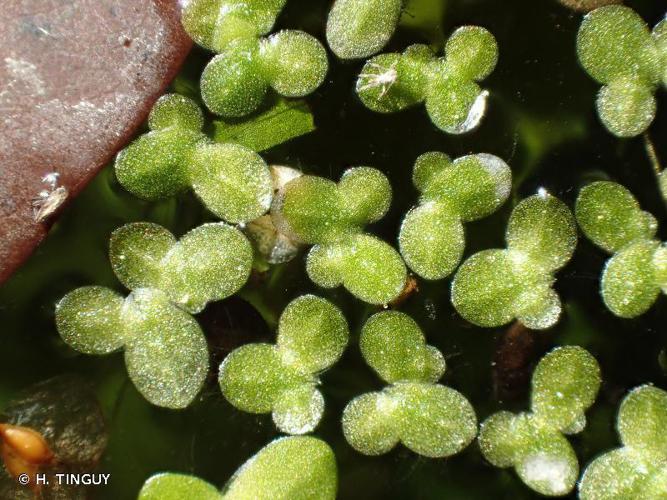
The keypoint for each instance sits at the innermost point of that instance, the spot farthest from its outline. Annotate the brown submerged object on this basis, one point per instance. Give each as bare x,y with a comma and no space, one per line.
77,78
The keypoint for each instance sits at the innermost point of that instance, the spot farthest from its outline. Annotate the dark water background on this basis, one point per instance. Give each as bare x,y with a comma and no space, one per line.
540,119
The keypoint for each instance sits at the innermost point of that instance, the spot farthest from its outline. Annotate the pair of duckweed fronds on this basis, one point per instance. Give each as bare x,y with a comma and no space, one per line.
290,468
235,82
565,384
331,216
494,287
165,349
617,49
282,379
638,469
432,237
633,277
428,418
448,85
231,180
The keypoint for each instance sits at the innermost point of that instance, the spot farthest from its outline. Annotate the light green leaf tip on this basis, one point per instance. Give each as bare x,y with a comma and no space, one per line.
565,384
282,378
428,418
431,238
331,216
494,287
617,49
611,218
291,468
235,82
448,84
638,468
361,28
165,350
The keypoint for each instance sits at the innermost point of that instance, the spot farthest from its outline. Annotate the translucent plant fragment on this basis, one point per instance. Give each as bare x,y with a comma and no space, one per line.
610,216
165,350
448,85
452,192
565,384
316,211
495,287
361,28
617,49
231,180
428,418
282,379
296,467
637,469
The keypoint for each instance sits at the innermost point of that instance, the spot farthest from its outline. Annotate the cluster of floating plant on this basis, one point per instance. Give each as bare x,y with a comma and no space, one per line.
235,82
494,287
448,85
283,378
165,349
429,418
565,384
170,280
616,48
633,277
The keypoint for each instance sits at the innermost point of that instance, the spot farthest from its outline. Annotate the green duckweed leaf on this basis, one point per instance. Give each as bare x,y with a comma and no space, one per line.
298,410
472,52
628,284
174,110
312,334
137,251
170,486
660,37
166,354
365,194
474,186
232,84
295,62
209,263
292,468
638,469
282,379
154,165
610,216
626,107
372,270
610,37
432,240
543,229
252,377
642,420
565,383
360,28
434,420
448,85
395,347
233,181
283,121
369,423
89,320
324,265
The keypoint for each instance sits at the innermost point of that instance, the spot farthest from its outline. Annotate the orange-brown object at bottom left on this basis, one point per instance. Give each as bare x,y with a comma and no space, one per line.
23,452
